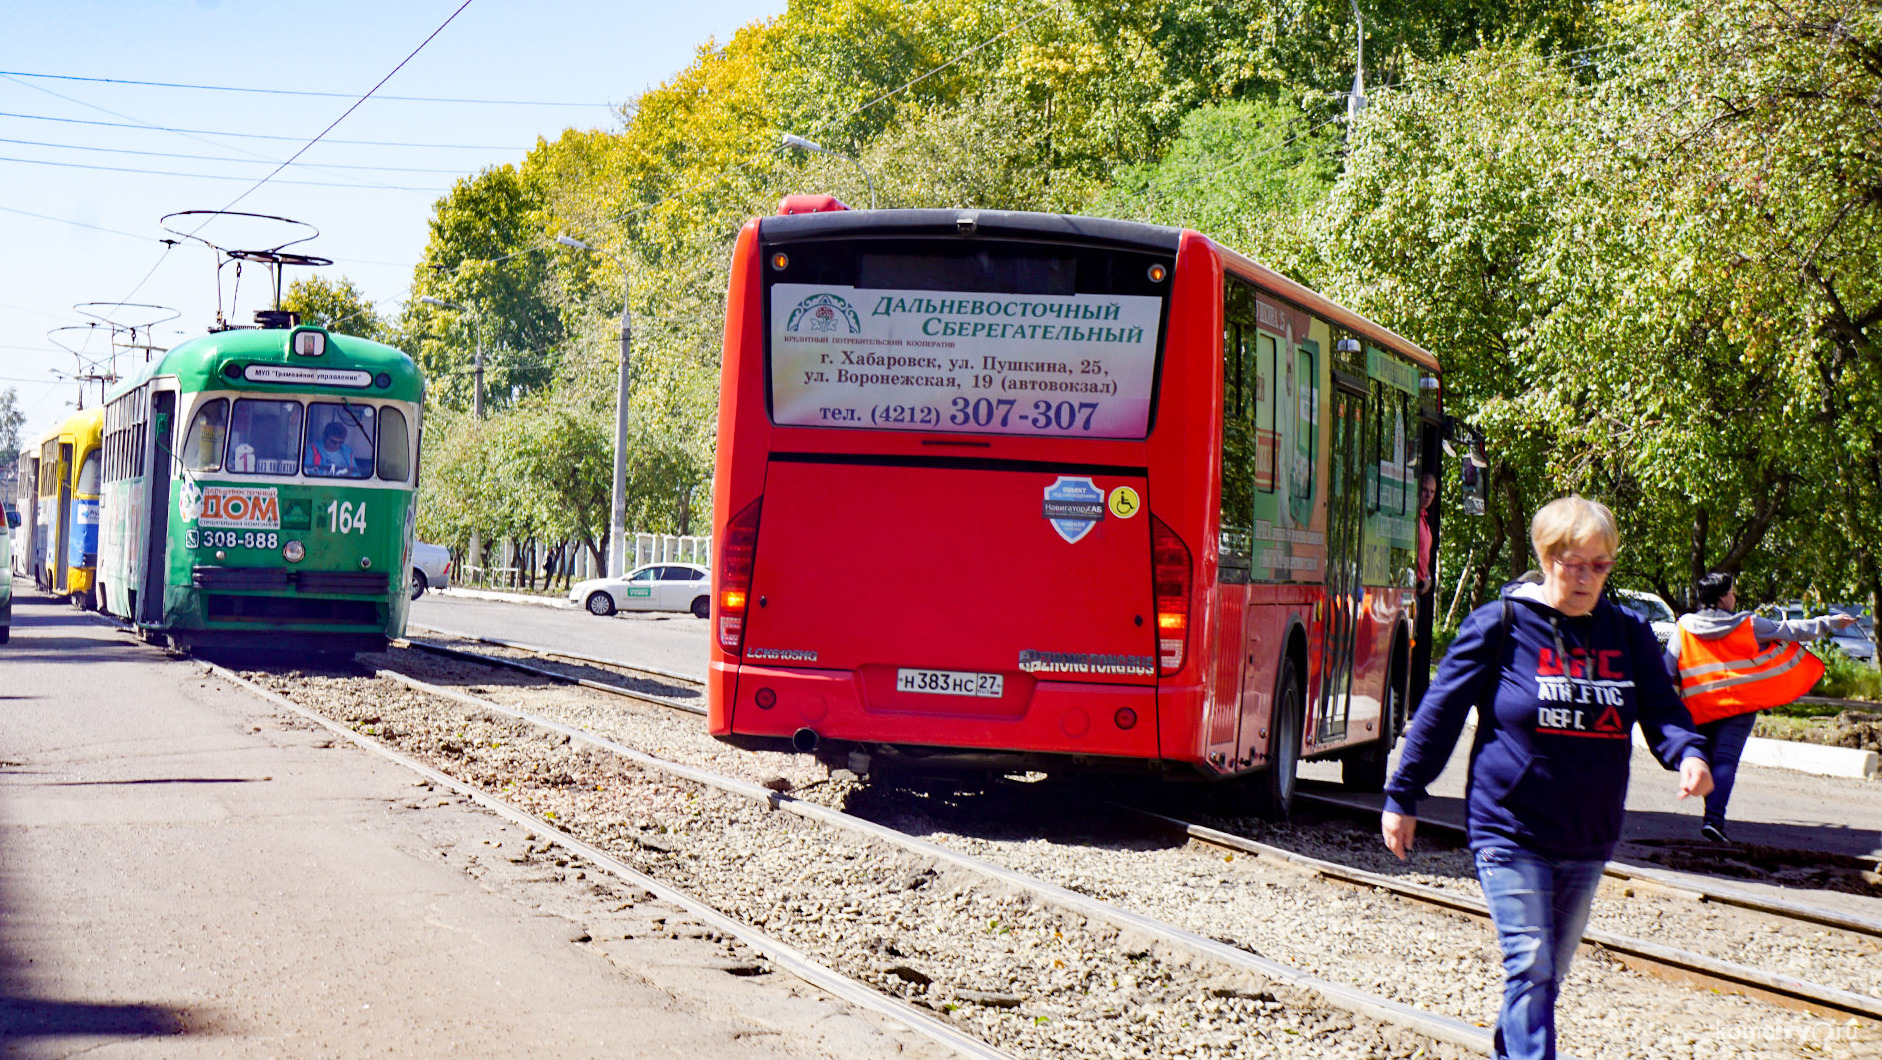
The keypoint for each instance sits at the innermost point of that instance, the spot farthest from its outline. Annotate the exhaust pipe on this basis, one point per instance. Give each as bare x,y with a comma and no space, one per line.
805,740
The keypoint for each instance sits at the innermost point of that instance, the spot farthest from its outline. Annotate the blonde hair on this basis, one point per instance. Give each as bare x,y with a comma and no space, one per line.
1571,522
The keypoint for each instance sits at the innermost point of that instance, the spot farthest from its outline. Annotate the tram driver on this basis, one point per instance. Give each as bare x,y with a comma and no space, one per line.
333,457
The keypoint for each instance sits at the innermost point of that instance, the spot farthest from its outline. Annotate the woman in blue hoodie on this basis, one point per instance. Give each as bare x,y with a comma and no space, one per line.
1559,676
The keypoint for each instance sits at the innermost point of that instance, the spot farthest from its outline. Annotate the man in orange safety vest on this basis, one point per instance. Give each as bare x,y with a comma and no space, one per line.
1729,665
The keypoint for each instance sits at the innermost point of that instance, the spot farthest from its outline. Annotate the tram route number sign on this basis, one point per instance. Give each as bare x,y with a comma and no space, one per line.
230,507
1062,366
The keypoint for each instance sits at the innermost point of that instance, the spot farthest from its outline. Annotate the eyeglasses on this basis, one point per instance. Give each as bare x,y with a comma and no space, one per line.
1599,568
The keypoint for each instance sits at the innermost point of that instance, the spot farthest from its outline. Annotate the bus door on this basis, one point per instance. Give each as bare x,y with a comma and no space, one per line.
148,608
1344,587
63,519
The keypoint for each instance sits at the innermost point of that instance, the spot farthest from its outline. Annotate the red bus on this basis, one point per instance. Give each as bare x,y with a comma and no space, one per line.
1015,491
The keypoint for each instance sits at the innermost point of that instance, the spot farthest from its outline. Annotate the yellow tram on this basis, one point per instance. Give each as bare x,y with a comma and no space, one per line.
64,524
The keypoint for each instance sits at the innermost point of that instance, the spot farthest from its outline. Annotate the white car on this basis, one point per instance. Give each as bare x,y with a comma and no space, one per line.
431,567
1653,608
654,587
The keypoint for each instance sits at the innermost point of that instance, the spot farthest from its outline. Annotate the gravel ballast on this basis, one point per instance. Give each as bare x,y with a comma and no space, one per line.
1398,950
1027,977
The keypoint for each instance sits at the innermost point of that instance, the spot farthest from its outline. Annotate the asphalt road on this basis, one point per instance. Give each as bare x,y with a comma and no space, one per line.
189,871
670,641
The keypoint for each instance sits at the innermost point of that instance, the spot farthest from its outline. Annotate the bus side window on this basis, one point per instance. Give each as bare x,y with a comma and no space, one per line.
202,446
1237,508
1267,436
395,446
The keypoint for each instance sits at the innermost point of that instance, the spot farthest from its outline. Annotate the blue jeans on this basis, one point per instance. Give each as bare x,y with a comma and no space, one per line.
1725,743
1539,906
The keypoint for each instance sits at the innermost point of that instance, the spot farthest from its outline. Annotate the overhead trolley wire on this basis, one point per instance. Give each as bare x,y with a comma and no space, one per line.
303,92
356,104
151,125
170,244
220,158
215,176
79,224
257,136
706,182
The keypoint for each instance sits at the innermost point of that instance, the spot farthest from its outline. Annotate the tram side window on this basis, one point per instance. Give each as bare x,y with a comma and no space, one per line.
265,437
202,446
395,446
339,440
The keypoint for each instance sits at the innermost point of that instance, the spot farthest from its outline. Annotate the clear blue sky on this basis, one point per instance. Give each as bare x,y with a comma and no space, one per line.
589,55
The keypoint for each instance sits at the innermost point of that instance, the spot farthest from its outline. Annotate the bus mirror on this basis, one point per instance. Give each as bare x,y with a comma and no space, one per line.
13,520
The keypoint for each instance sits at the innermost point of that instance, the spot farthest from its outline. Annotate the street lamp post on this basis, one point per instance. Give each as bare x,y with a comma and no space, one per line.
477,336
617,506
1356,99
801,144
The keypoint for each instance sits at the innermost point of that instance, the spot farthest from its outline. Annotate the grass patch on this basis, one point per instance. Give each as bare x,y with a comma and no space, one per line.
1846,678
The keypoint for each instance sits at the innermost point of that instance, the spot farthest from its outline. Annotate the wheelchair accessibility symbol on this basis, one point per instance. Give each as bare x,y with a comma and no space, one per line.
1124,502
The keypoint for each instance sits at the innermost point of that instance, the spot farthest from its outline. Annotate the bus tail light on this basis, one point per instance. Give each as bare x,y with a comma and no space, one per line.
1171,575
736,555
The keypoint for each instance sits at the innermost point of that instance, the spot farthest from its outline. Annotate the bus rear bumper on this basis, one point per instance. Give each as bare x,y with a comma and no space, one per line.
1059,717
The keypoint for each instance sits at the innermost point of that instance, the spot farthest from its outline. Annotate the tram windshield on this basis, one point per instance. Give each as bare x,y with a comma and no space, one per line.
88,475
339,440
288,437
202,446
265,437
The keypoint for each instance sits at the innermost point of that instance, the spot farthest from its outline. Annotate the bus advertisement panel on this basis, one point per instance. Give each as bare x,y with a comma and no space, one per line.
1076,365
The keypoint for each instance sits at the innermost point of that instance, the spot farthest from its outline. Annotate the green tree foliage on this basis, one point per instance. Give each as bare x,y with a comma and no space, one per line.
1624,293
1642,237
338,306
478,257
11,420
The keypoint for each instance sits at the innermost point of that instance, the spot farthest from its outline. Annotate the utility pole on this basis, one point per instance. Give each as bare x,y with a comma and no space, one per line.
1356,99
477,360
477,403
617,507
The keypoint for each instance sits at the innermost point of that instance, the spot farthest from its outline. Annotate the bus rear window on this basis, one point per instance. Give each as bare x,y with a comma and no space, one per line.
965,338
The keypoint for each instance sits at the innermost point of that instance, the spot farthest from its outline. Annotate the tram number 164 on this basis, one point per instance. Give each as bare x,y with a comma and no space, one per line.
345,517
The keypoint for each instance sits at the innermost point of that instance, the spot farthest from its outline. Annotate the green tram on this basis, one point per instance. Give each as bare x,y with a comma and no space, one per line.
259,491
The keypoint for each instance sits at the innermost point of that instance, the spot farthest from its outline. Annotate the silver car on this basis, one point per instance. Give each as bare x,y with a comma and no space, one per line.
654,587
431,567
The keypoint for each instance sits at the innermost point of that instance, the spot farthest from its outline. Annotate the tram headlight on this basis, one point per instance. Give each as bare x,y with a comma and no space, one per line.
294,552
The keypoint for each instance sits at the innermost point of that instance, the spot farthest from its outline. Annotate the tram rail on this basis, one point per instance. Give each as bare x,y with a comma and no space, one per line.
1664,961
1667,962
1431,1027
779,952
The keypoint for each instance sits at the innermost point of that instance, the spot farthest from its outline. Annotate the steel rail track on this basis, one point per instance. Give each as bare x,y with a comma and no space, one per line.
779,952
552,653
1434,1026
567,679
1666,962
1658,879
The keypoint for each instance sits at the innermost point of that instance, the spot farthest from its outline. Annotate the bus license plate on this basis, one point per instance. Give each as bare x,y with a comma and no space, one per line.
950,683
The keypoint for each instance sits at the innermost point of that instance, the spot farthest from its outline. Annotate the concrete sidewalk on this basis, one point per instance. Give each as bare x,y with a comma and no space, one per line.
185,872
